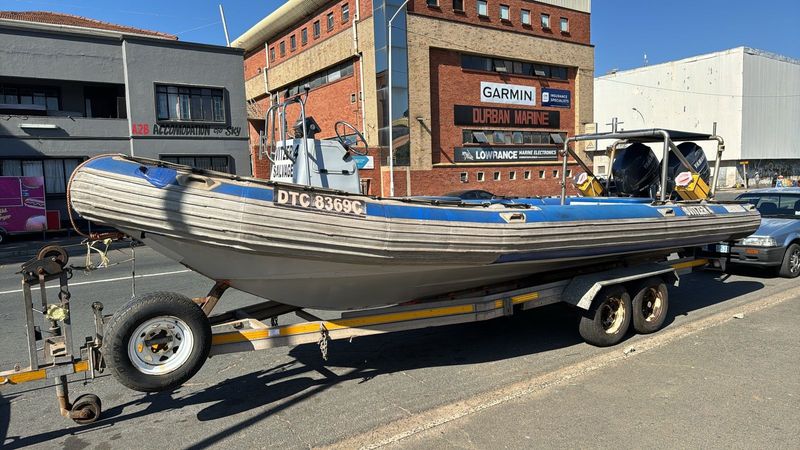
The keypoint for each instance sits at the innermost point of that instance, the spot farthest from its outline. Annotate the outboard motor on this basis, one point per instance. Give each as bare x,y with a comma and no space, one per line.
695,155
635,170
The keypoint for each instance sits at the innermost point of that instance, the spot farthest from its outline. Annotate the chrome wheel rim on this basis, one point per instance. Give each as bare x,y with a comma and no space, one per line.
160,345
652,304
794,261
612,315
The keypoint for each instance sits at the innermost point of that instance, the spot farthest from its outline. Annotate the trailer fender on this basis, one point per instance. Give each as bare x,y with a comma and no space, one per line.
582,290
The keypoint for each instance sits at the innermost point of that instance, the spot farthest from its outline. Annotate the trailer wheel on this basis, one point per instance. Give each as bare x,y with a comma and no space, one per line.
609,319
3,235
650,305
157,342
86,409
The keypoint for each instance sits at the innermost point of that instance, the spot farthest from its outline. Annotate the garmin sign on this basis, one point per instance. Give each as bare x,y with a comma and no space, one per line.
512,94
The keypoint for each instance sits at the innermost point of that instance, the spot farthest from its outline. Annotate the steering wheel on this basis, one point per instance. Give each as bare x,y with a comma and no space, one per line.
343,141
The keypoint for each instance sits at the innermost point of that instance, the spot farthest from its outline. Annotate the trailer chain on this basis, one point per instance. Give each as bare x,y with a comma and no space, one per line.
324,337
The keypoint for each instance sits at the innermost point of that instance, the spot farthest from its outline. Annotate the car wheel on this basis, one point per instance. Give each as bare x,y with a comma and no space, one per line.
790,268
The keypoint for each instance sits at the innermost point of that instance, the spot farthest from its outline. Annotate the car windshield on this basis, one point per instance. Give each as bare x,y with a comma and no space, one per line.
775,205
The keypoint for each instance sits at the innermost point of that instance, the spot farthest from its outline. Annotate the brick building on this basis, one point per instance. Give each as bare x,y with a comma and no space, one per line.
483,90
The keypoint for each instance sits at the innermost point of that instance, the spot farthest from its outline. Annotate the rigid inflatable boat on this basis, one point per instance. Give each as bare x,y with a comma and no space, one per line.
311,245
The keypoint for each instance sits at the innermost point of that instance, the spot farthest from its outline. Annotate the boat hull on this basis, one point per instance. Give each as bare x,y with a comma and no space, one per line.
391,251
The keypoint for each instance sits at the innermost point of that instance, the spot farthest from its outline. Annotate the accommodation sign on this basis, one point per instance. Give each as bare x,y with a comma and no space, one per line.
505,117
512,94
500,154
559,98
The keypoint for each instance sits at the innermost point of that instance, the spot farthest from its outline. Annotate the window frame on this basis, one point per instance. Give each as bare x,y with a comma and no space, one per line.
345,12
316,28
485,4
272,53
282,48
564,25
217,96
522,13
545,21
330,21
304,36
292,43
507,10
432,3
41,162
457,9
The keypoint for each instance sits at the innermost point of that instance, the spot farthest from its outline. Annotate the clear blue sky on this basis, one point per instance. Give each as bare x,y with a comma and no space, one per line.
622,30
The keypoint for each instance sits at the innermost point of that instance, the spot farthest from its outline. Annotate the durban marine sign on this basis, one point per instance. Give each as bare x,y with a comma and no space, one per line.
505,117
512,94
498,154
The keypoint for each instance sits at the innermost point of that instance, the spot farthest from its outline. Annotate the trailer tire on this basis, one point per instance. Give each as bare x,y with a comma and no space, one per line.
650,305
3,236
157,341
608,320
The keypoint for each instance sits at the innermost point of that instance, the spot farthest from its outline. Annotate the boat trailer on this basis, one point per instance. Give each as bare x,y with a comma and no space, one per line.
611,301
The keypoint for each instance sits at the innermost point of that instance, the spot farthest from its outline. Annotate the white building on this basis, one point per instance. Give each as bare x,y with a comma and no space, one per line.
752,95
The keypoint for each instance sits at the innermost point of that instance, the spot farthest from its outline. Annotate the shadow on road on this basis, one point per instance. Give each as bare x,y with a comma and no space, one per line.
283,386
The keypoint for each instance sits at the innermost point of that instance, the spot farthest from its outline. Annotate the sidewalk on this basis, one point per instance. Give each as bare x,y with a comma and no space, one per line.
736,385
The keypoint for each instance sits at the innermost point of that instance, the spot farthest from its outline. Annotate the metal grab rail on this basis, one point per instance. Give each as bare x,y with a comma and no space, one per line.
278,111
649,135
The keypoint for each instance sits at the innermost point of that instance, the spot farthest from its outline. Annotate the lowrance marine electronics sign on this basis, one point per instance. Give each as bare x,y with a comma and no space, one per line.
512,94
496,154
505,117
558,98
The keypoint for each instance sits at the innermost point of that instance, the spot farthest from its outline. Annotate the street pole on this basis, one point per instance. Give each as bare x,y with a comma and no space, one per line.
391,124
644,123
224,25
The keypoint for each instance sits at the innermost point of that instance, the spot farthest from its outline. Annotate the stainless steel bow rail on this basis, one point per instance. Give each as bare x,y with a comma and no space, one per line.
609,299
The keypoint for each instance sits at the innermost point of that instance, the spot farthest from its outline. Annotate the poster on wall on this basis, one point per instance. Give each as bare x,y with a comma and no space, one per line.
506,117
558,98
22,204
499,154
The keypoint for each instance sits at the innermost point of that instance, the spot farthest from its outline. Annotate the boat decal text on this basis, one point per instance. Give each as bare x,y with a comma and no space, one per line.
320,202
697,210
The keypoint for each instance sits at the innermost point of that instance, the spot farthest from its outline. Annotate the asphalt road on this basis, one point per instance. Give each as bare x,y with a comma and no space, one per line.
429,387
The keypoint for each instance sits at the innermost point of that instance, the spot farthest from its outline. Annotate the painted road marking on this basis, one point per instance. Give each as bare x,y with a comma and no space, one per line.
108,280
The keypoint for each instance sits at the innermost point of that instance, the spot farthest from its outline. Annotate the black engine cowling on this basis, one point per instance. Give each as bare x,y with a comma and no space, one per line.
695,156
635,170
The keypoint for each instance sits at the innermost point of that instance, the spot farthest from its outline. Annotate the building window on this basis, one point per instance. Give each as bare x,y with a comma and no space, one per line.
464,177
480,176
56,172
569,173
541,174
272,53
510,137
304,36
485,64
483,8
601,170
282,47
345,12
525,17
505,12
526,175
330,21
191,104
321,78
546,21
496,176
216,163
564,25
36,98
433,3
316,29
292,42
555,174
458,5
512,176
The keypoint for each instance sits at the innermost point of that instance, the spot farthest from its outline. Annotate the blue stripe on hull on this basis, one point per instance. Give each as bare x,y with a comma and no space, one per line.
547,210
